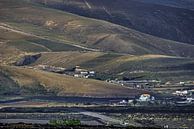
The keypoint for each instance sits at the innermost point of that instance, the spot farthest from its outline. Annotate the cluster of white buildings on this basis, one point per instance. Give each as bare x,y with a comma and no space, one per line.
83,73
142,98
146,98
183,92
186,95
51,68
136,83
76,72
188,100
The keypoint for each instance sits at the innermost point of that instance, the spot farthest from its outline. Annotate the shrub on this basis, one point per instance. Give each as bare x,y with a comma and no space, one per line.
71,122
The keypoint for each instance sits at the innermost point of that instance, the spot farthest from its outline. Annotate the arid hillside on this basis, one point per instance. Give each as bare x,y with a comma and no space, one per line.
85,33
169,19
35,82
34,35
111,65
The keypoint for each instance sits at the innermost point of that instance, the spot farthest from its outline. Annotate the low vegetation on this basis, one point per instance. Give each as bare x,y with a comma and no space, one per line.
65,122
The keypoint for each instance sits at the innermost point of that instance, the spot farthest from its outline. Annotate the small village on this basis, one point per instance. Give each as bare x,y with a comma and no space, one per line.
148,108
180,96
148,99
76,71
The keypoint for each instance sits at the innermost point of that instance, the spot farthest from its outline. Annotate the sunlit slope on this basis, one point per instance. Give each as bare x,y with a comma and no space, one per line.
34,82
14,45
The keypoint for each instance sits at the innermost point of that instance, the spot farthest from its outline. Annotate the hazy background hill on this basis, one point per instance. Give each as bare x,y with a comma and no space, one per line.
172,19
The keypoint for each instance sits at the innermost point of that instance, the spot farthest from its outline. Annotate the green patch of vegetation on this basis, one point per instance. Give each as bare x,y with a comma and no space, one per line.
70,122
103,76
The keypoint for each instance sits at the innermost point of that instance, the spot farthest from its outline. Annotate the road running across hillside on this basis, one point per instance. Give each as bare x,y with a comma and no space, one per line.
9,28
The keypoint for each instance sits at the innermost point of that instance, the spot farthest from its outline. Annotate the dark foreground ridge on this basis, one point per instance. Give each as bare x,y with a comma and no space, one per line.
40,126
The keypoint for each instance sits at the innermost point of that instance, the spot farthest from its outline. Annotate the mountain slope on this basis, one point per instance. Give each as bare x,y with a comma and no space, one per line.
35,82
65,28
157,18
64,39
111,65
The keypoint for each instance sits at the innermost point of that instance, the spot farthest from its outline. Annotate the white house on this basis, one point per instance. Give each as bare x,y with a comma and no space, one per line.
146,98
181,93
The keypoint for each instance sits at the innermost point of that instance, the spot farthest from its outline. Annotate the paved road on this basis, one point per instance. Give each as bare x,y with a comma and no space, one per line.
102,117
31,121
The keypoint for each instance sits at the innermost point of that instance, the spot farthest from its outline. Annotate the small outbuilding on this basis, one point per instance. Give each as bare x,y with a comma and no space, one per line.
146,98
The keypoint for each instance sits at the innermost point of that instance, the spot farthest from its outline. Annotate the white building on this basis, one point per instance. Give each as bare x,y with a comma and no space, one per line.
146,98
123,102
92,72
181,93
181,83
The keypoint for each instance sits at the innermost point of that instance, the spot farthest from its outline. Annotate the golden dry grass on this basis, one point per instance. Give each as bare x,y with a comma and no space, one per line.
66,85
115,63
67,59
